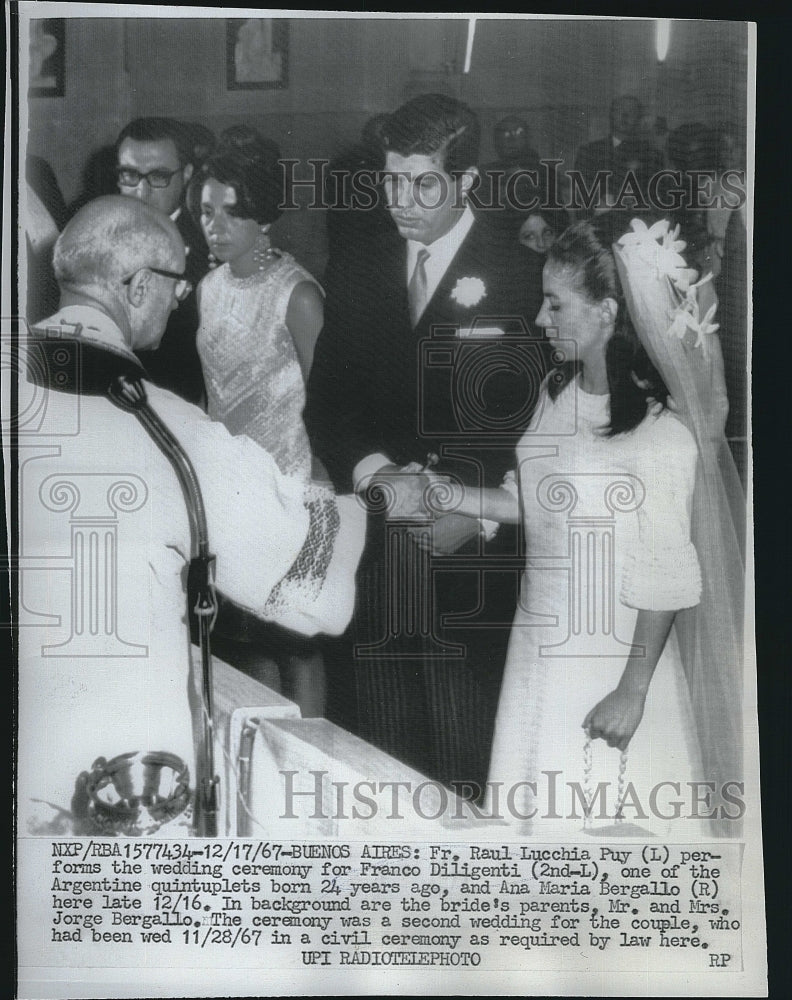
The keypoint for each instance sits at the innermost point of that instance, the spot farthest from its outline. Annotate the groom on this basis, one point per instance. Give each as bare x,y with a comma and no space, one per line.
427,356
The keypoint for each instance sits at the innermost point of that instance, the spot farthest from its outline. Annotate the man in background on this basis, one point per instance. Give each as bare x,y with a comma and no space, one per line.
514,179
624,148
155,163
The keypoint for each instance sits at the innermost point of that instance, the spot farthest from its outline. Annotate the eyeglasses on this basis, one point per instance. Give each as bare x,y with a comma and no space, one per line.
127,177
183,286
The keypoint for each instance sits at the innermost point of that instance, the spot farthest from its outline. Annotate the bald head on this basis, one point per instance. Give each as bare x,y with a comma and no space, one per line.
114,255
111,238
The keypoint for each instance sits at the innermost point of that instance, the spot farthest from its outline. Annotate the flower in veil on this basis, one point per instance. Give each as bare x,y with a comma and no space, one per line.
687,316
660,248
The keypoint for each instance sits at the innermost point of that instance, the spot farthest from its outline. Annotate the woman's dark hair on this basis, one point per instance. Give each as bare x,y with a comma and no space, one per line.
584,250
249,163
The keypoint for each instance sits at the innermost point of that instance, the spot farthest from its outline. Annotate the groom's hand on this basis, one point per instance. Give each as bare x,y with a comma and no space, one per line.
447,535
399,495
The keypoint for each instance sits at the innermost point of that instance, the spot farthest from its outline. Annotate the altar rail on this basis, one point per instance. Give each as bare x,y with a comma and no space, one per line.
288,778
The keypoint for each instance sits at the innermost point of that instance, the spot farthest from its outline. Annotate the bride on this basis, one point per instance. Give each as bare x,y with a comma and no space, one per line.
620,706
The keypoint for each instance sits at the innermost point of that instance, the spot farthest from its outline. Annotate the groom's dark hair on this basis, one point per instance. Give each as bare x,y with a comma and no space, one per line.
434,123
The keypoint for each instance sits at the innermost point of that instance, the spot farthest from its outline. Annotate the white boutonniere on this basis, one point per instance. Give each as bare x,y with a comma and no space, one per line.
469,291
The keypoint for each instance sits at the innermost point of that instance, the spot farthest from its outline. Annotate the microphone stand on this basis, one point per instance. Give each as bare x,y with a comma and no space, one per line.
128,393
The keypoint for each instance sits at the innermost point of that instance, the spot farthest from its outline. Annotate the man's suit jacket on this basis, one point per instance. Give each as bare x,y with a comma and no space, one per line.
598,155
175,364
603,155
378,385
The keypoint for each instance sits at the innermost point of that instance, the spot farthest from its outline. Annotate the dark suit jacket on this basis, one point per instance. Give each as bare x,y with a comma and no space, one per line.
175,364
378,385
597,155
602,155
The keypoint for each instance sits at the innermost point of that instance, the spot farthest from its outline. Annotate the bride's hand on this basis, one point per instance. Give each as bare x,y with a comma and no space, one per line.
616,717
654,407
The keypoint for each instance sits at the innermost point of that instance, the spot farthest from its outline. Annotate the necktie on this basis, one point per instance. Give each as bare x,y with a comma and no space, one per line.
416,289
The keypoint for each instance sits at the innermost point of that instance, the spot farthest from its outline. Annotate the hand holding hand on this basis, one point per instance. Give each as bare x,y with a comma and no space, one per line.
409,493
424,495
393,492
406,496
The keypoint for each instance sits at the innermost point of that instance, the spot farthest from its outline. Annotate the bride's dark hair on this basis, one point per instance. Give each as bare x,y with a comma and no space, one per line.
584,251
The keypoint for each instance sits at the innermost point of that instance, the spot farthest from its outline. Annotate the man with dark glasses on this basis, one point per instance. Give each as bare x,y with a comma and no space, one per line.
183,286
154,157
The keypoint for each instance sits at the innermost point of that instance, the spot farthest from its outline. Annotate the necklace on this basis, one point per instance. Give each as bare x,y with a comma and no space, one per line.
264,256
263,259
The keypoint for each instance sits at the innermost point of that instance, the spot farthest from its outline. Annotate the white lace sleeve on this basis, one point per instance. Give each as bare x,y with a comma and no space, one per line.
317,593
662,572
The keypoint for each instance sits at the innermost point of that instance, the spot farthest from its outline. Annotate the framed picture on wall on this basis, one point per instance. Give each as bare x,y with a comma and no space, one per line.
257,53
47,56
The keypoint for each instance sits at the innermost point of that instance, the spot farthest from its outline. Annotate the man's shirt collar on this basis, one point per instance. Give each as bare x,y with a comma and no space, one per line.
444,249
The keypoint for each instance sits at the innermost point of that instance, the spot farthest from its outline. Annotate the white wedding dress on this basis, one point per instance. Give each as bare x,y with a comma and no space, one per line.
607,525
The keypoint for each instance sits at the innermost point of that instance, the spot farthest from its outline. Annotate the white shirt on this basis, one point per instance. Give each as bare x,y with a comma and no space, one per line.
441,252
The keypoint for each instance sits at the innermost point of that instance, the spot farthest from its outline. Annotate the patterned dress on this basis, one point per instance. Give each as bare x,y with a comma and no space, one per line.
254,382
255,386
607,526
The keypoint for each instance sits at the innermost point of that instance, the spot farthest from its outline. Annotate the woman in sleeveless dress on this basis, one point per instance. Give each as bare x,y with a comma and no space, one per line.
260,315
601,728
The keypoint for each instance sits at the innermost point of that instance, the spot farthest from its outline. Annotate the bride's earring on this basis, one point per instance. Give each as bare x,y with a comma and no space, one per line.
212,261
